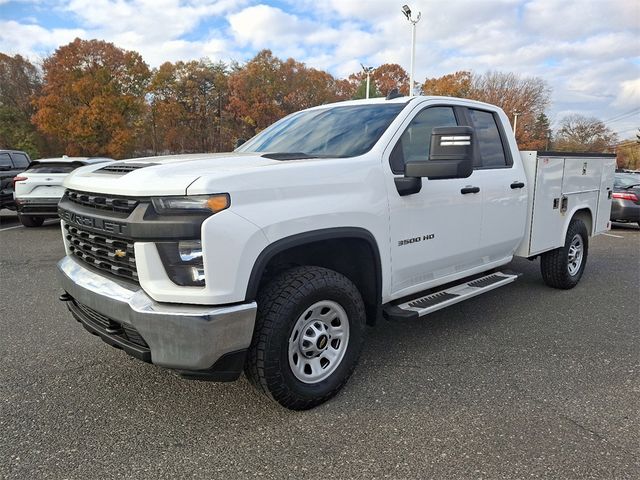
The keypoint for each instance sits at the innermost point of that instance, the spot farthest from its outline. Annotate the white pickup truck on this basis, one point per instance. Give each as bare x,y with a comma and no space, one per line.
272,259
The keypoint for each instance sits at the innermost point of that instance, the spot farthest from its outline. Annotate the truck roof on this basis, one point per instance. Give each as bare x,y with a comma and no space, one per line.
403,99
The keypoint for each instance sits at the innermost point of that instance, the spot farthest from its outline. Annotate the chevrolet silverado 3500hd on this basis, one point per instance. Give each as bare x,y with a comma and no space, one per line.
272,259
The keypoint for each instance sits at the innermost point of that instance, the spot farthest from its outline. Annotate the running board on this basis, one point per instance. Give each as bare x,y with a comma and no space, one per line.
432,302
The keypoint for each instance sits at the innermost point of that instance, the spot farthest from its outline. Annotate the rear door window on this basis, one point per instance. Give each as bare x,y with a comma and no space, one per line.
20,160
5,160
489,141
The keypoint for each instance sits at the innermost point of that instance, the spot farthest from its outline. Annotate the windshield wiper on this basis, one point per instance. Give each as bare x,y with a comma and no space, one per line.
288,156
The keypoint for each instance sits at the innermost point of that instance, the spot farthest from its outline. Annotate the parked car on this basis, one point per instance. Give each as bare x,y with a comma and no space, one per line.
625,207
38,189
12,162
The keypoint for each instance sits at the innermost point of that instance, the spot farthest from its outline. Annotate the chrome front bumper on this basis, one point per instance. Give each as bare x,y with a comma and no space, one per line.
183,337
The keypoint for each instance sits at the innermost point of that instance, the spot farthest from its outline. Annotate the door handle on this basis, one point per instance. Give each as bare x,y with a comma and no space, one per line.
466,190
515,185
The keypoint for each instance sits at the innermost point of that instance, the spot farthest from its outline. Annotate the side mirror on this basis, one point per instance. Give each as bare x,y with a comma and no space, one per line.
239,142
450,155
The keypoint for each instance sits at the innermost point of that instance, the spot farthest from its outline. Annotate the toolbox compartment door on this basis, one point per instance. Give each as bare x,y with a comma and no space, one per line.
604,201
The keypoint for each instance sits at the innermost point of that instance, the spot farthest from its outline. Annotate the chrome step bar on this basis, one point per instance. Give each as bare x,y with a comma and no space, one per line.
438,300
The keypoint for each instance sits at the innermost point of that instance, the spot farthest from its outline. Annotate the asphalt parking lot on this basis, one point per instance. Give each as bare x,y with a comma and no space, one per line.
524,382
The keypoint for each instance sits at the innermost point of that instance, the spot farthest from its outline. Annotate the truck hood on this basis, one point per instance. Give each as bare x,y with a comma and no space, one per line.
167,175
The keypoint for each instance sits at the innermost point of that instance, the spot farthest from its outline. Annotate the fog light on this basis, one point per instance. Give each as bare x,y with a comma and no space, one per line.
183,262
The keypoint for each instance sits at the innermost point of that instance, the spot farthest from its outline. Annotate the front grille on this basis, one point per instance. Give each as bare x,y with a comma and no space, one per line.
103,202
124,168
109,326
106,253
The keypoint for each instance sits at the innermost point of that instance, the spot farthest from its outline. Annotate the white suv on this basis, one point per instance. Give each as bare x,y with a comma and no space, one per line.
38,189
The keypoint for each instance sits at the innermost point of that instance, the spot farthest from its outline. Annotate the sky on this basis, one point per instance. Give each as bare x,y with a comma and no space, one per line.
588,51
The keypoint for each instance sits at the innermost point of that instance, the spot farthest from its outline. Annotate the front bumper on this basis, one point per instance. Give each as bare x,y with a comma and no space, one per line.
37,207
197,340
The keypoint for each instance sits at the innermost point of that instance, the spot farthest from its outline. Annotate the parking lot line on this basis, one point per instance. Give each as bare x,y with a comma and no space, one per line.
612,235
22,226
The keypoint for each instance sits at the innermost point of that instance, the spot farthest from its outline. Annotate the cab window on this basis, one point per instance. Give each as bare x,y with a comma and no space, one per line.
415,142
489,142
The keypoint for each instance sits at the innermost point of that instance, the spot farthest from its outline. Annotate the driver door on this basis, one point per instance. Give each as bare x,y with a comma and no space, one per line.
435,233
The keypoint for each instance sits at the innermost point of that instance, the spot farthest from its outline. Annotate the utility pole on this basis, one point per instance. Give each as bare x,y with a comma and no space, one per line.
407,13
368,71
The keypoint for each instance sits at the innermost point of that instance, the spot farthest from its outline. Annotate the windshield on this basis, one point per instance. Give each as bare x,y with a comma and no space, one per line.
345,131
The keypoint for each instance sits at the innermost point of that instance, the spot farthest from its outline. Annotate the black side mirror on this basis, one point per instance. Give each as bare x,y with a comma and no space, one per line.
239,142
450,155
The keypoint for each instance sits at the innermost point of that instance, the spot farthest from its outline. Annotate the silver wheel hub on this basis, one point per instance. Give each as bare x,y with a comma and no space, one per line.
318,341
575,255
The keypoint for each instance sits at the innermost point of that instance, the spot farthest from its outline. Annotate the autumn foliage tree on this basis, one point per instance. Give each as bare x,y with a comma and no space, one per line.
186,103
93,98
267,88
458,84
382,80
628,153
20,81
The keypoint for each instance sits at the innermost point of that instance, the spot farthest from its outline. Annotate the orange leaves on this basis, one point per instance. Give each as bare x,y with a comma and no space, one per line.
92,96
456,84
268,88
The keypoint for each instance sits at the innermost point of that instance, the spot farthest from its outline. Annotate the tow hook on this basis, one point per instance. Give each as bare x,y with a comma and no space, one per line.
65,297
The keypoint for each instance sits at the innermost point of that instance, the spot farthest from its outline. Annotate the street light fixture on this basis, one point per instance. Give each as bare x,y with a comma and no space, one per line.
406,11
368,71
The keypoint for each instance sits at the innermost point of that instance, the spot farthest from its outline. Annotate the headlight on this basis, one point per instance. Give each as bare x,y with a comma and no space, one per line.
183,262
192,204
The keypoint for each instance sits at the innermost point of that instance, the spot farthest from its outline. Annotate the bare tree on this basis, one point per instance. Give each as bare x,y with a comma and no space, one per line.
578,133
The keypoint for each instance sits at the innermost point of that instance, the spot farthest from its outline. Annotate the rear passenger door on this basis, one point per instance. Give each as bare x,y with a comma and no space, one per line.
502,182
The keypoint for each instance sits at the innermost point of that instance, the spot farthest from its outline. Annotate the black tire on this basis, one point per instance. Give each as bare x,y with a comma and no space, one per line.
555,264
29,221
281,304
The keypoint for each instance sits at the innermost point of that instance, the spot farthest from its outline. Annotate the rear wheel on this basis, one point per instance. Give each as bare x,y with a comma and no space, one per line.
563,267
308,337
30,221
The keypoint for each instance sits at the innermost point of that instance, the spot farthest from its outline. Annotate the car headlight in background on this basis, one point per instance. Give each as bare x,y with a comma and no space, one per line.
183,262
191,204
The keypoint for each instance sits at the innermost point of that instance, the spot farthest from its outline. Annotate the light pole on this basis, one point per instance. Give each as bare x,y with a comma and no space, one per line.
515,121
407,13
368,71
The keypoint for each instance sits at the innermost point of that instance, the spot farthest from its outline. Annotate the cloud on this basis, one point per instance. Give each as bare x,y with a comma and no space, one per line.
629,93
32,40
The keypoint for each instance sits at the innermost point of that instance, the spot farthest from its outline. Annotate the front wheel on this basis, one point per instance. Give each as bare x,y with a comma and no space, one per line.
308,336
30,221
563,267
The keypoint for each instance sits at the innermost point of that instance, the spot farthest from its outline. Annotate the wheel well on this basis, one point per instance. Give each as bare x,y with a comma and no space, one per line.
356,258
584,214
